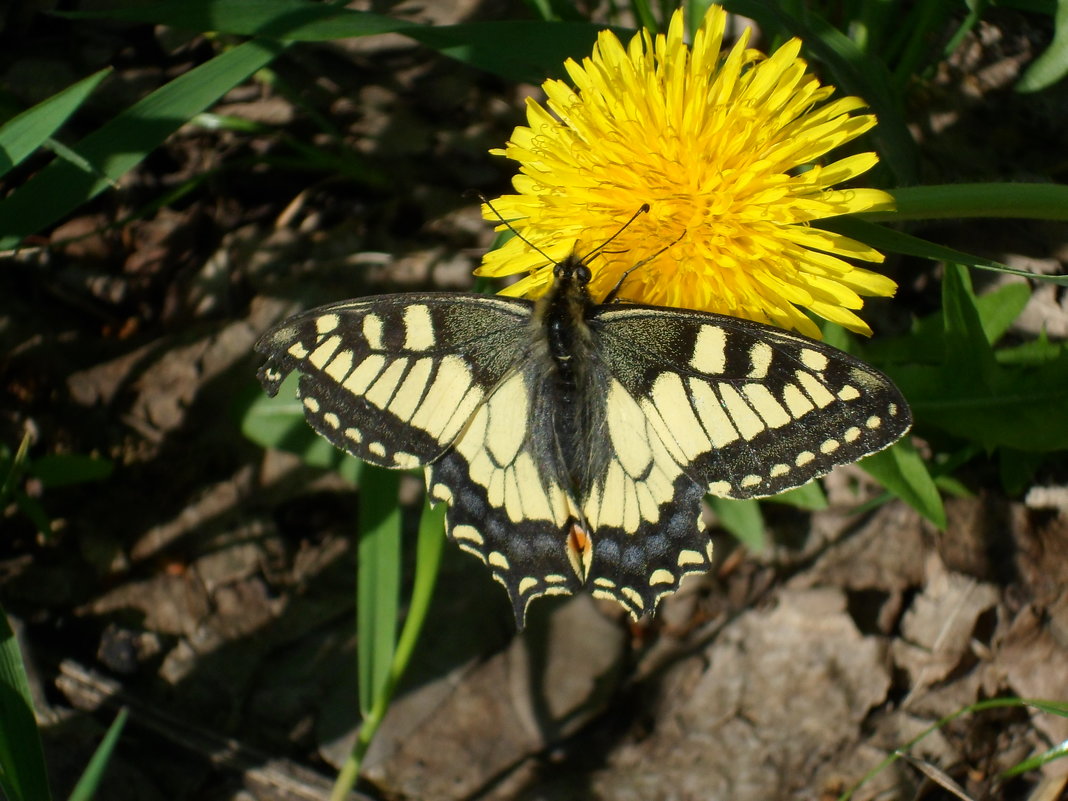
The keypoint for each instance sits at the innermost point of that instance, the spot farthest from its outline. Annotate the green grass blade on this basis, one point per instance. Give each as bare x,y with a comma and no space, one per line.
427,562
520,50
291,20
891,241
120,144
998,199
86,787
23,776
901,470
378,575
23,134
1052,65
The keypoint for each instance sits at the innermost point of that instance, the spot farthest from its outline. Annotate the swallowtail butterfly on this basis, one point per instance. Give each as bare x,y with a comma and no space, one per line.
573,442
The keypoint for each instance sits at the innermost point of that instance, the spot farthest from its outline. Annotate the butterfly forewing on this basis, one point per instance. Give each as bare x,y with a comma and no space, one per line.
394,379
744,409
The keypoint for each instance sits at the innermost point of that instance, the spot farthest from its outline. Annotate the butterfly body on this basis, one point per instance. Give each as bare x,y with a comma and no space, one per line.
574,441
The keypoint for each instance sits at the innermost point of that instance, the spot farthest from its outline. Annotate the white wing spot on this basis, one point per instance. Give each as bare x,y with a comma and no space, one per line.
377,448
633,596
815,389
710,350
779,470
750,480
498,559
848,393
332,420
796,401
874,421
740,412
372,331
830,446
404,460
765,404
527,584
626,431
661,576
382,391
851,434
688,557
467,533
354,434
312,405
297,351
365,372
322,355
418,328
327,323
717,425
804,458
721,489
760,359
814,360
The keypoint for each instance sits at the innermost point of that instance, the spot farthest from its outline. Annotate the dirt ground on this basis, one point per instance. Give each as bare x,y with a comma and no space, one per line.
208,585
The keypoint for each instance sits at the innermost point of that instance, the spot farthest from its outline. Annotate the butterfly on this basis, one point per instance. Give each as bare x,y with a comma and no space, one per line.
572,441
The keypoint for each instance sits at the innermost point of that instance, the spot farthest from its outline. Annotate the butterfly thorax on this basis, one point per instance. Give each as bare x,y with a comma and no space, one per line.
573,379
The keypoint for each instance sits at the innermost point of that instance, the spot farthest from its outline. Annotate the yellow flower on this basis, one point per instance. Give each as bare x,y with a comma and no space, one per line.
723,148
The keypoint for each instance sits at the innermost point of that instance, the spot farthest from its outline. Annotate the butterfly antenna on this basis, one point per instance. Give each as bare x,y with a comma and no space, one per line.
512,228
611,296
644,208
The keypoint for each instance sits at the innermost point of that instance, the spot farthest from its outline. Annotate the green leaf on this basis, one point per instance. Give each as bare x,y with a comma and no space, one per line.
742,519
378,574
965,343
855,72
901,470
1052,65
121,144
810,497
23,776
279,423
22,135
64,469
87,785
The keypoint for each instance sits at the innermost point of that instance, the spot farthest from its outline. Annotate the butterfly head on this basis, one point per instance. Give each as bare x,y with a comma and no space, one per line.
573,270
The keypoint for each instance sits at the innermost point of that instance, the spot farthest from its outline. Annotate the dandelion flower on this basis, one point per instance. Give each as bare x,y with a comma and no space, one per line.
725,149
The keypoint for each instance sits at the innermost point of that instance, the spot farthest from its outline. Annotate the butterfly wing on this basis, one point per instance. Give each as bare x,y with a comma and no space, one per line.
442,381
704,403
394,379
